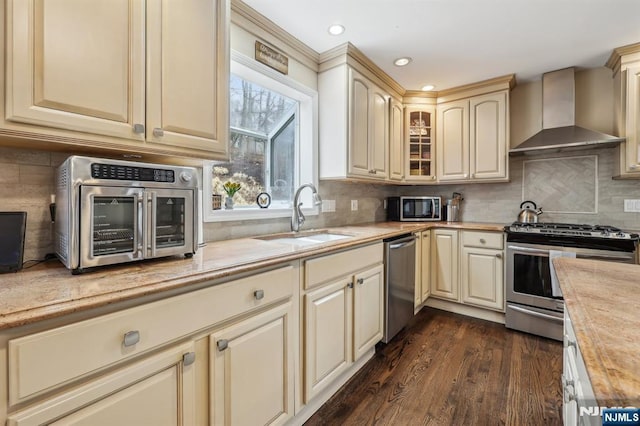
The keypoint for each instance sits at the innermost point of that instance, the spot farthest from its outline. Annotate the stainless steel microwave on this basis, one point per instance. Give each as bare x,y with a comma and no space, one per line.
414,209
111,211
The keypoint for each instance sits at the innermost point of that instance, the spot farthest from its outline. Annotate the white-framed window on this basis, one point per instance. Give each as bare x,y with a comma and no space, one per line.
272,144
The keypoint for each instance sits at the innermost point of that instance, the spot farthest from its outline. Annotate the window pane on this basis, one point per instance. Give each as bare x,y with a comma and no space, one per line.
246,167
283,162
254,108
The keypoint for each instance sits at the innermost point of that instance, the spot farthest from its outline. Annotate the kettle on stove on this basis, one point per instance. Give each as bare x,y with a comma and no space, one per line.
529,212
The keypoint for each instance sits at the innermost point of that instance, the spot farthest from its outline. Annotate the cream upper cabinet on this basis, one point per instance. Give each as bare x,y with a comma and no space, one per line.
420,143
625,63
472,138
368,128
132,79
252,364
488,136
396,141
444,264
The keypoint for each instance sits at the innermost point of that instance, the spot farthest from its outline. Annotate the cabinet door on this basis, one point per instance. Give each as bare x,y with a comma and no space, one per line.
425,266
482,278
328,328
453,141
632,121
396,142
378,132
419,259
59,76
368,310
252,370
187,87
488,136
358,124
444,264
419,145
158,390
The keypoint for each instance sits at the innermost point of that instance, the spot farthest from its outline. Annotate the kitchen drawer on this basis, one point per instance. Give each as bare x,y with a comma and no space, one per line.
493,240
43,361
322,269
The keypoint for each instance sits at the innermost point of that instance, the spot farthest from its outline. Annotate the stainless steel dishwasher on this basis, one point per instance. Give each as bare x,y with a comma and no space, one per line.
400,274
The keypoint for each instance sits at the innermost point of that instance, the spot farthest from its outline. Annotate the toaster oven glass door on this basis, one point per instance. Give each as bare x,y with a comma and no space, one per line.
418,209
170,222
110,225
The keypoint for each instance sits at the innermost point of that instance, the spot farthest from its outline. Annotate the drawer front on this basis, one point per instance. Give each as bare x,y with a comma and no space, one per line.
326,268
494,240
42,361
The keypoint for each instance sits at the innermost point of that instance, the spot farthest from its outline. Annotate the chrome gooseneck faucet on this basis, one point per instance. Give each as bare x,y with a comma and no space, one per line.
297,218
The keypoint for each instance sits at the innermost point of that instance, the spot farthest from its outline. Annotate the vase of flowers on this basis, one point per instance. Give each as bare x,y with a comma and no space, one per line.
230,188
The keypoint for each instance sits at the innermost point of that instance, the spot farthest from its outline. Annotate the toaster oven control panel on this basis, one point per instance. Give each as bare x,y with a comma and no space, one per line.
133,173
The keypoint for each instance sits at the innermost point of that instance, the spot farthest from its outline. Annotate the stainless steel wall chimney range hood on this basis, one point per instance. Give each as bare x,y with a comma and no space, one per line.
559,132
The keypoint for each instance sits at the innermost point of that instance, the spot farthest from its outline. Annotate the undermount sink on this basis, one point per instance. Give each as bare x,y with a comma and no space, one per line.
305,238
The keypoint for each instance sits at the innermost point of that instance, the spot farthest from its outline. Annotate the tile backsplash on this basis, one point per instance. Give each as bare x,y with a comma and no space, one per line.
27,182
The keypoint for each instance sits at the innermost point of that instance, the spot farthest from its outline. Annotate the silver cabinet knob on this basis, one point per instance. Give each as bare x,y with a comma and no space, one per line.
158,132
499,255
483,241
222,344
188,358
138,128
433,178
350,284
360,281
131,338
258,294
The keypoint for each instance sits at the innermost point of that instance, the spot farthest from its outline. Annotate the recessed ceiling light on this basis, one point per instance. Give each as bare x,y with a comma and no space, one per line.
401,62
428,87
336,29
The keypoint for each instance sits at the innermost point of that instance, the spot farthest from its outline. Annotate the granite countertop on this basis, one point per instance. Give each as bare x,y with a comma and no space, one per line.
602,301
50,291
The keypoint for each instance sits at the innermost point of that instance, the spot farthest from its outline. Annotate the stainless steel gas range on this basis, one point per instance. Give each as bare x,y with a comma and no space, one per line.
534,300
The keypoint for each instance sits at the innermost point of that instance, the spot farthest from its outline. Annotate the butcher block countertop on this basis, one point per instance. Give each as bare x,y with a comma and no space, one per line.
50,291
602,301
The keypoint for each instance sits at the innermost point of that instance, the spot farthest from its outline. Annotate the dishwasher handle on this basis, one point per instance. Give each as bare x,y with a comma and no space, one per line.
403,244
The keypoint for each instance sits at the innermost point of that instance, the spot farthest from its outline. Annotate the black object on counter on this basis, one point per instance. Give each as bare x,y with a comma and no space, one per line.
12,230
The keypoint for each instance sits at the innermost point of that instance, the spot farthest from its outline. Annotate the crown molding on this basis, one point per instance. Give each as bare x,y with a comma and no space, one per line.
505,82
615,60
250,20
347,53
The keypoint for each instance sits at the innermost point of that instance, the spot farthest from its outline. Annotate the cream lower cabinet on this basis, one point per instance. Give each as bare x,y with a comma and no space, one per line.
343,313
157,390
444,264
423,267
132,80
482,267
252,370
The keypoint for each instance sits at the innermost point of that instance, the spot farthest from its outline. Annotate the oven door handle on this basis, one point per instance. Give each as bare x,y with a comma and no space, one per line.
536,314
152,224
528,250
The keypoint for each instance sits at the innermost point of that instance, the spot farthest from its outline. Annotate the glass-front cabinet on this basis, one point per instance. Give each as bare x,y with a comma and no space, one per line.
420,143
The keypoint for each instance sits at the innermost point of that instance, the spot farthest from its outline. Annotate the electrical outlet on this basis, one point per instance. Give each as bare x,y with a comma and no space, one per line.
354,205
328,206
632,206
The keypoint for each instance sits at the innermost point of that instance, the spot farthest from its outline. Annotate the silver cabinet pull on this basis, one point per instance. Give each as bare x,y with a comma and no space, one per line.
350,284
258,294
131,338
188,358
360,281
138,128
158,132
222,344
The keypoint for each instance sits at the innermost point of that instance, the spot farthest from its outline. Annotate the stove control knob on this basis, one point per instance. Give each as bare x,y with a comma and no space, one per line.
620,234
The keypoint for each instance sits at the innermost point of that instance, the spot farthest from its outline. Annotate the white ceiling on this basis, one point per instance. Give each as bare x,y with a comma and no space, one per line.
455,42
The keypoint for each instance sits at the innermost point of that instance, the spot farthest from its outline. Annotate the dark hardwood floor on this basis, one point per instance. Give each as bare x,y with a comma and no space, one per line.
449,369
